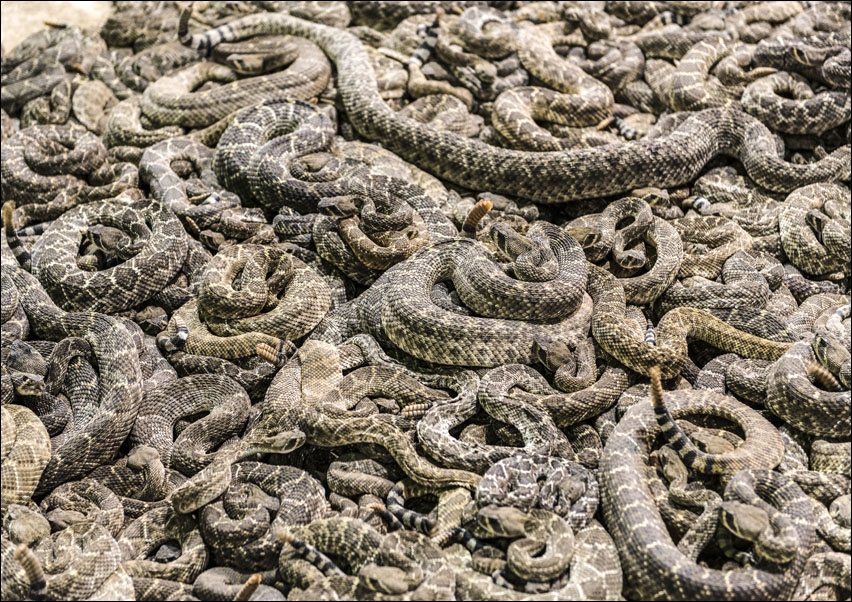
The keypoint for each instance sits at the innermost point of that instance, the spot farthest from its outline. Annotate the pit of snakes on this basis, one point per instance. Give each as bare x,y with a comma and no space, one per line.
427,300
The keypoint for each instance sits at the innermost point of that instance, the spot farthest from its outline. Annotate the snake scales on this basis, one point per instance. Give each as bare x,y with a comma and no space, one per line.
361,301
667,162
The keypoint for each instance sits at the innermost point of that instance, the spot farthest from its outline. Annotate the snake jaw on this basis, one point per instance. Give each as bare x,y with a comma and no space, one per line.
289,441
282,443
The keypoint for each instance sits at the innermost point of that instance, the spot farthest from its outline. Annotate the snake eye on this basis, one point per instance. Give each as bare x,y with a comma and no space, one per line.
501,233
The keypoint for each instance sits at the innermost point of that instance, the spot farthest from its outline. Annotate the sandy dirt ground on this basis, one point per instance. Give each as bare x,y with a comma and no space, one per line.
20,19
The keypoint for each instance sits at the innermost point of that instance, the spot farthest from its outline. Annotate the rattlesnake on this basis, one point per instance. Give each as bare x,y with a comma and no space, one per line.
170,101
90,444
644,544
407,317
438,377
154,228
699,138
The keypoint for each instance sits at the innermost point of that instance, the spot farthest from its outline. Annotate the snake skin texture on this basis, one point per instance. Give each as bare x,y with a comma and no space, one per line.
464,300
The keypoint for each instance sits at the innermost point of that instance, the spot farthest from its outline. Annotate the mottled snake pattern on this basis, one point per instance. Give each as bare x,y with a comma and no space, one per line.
428,301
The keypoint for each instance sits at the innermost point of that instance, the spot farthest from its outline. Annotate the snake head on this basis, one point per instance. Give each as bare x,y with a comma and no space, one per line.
587,237
153,319
841,510
141,456
27,385
23,357
281,443
338,206
25,525
485,71
502,521
61,518
508,240
552,354
744,521
246,64
774,537
384,579
672,466
287,441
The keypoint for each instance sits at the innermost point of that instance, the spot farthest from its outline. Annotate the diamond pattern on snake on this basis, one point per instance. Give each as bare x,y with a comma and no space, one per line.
477,300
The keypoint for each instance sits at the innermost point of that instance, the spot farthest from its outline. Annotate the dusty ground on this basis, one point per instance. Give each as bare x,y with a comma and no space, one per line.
20,19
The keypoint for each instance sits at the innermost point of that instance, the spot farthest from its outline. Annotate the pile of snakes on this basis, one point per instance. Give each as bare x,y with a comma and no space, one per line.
428,301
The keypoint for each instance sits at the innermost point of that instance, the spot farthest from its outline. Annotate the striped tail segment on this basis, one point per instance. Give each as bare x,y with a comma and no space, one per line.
650,335
20,252
177,342
458,535
500,580
207,40
309,553
666,18
693,458
35,573
624,129
699,203
36,230
424,51
411,519
394,524
181,332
